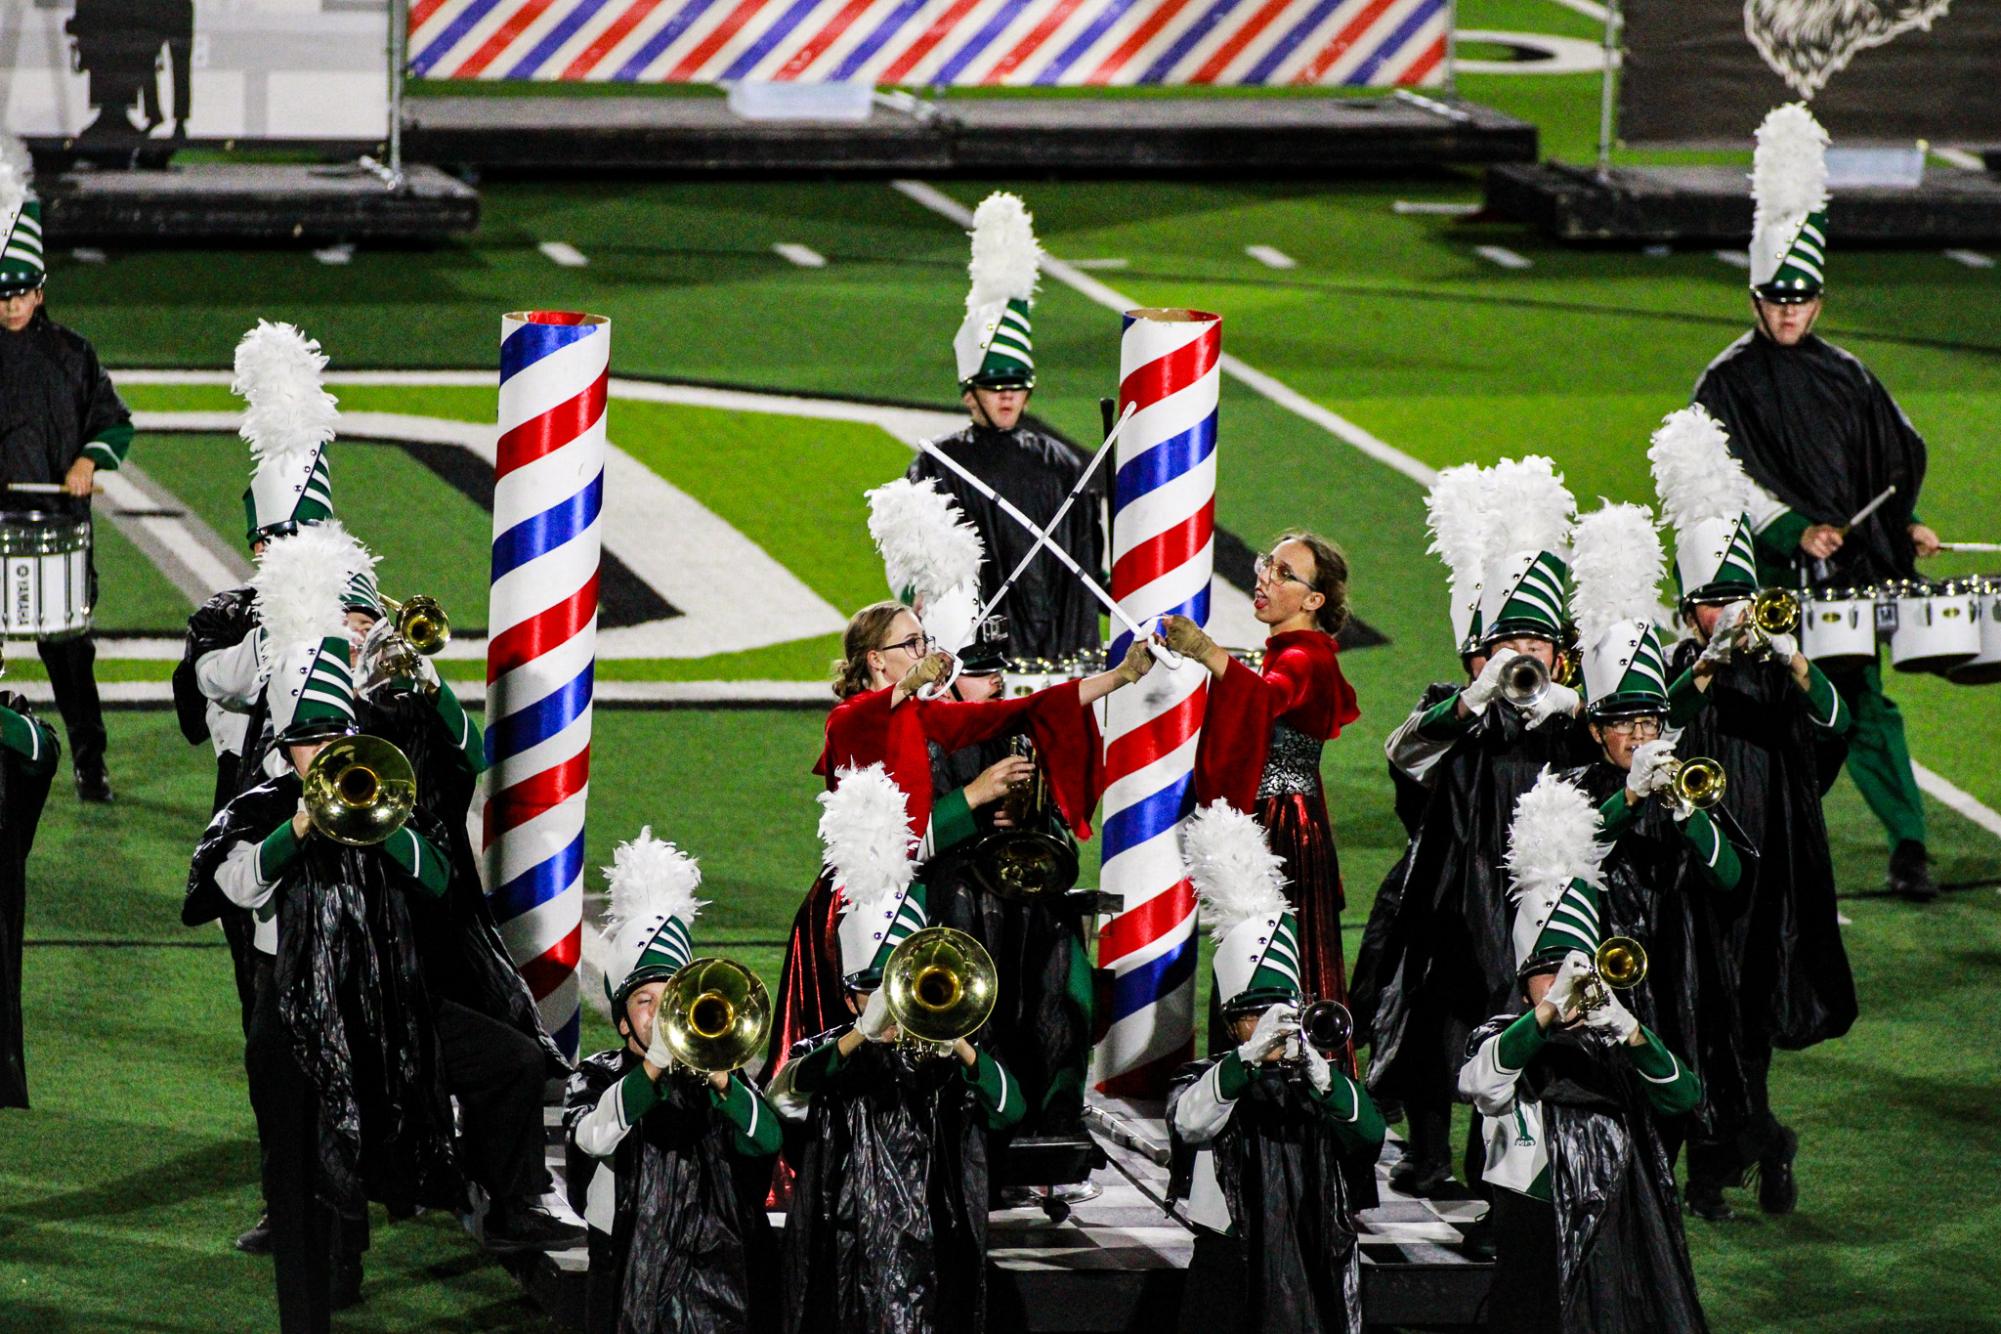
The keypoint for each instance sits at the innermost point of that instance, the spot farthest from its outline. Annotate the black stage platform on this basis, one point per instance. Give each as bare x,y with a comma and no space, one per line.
907,135
1118,1262
228,201
1712,206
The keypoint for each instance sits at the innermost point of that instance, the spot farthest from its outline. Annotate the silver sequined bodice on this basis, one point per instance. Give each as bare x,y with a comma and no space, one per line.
1292,763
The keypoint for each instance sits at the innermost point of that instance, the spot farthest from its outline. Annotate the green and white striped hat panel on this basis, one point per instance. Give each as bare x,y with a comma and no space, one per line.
995,342
1259,958
660,945
362,594
1790,258
1715,554
311,687
1571,923
1525,596
295,489
868,932
1627,667
22,265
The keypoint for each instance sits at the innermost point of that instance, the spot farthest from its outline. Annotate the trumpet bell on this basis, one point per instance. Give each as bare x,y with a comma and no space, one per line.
1699,783
359,790
716,1015
1524,681
422,621
1621,962
1775,611
941,985
1327,1025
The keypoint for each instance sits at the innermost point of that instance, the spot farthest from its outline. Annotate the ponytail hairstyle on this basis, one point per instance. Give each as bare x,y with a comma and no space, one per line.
864,634
1330,578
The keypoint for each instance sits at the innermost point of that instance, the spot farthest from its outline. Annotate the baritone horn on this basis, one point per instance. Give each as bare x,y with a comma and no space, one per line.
1697,783
940,985
716,1015
1030,858
359,790
1620,964
421,620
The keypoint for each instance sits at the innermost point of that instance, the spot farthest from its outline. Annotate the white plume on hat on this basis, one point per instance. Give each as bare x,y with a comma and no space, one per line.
299,585
1695,474
925,542
1236,875
1455,510
1005,252
1553,839
865,825
1789,167
1616,566
649,878
279,375
14,153
1527,508
13,190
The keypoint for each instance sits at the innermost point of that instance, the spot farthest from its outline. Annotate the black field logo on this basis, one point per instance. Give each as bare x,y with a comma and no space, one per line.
1808,42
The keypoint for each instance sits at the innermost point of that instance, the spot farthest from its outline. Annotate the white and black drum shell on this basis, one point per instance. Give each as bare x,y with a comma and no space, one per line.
1935,629
1984,668
47,572
1838,627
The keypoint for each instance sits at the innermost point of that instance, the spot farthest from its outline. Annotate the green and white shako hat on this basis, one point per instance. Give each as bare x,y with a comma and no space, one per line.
1616,564
300,587
865,827
22,264
1241,888
1525,562
1553,870
994,348
1789,206
289,420
649,923
1455,511
1705,494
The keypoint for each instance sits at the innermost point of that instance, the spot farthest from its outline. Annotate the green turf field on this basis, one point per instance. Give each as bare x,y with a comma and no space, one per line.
119,1192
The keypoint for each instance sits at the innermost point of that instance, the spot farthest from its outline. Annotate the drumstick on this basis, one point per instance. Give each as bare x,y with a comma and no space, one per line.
1969,546
1869,508
50,488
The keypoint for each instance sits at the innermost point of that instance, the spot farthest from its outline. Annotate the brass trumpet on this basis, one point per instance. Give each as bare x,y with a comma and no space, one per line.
420,620
1697,783
1524,681
1775,611
1620,964
716,1015
359,790
940,985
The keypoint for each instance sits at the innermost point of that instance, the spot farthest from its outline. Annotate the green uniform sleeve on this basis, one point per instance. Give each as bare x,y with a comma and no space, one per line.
756,1124
1442,722
1824,707
999,1095
637,1095
1686,699
1719,860
951,820
471,743
278,851
108,449
817,1068
424,863
1781,537
30,738
1352,1113
1231,1077
1672,1087
1519,1042
1616,815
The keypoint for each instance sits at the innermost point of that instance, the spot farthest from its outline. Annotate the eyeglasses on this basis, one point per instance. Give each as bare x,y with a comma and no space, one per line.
1626,727
916,646
1277,571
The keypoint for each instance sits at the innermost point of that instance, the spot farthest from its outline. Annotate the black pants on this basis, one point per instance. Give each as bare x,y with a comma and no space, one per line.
70,664
1719,1158
1216,1294
496,1074
1525,1295
302,1228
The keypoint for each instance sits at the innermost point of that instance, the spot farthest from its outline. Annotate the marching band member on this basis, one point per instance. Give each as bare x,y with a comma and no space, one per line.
888,1222
1775,723
1447,959
1050,614
1569,1091
28,757
1823,438
342,1053
1264,1148
677,1163
1262,733
64,422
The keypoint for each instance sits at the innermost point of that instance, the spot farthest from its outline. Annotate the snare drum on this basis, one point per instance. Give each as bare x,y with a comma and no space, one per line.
1935,629
47,565
1838,626
1984,668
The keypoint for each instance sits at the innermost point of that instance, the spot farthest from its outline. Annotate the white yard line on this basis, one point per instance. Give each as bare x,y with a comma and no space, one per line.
342,253
1435,207
1107,263
1959,157
1588,8
1271,257
1972,259
564,254
473,692
804,256
1736,259
1501,255
86,254
1949,794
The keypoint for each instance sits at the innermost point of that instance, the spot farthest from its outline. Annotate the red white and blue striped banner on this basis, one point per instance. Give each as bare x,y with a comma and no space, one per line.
548,493
1356,43
1163,557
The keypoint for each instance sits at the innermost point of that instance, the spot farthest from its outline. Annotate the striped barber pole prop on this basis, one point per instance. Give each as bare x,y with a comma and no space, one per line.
548,491
1353,43
1163,556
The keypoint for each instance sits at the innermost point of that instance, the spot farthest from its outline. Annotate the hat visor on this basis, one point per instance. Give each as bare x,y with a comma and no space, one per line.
1548,959
868,979
634,980
1790,293
1628,705
20,284
1257,999
1719,595
1520,629
317,729
1000,380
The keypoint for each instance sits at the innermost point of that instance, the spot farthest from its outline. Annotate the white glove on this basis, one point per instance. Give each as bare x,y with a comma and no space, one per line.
1653,763
1570,980
1612,1019
1718,650
1480,691
1558,699
1782,648
876,1020
1275,1027
657,1054
1733,618
1319,1071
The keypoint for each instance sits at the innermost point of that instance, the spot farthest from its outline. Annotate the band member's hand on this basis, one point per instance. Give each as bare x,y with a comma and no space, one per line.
720,1081
1187,638
1319,1070
1924,542
1558,699
966,1053
302,822
930,668
1480,691
657,1053
1612,1019
1276,1026
82,476
876,1023
1823,539
992,785
1653,767
1137,663
1564,995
